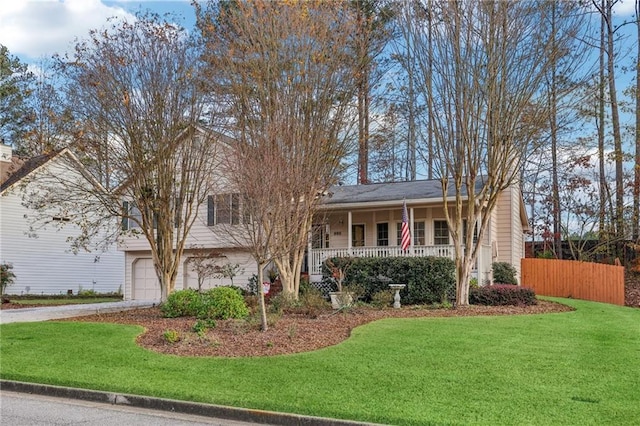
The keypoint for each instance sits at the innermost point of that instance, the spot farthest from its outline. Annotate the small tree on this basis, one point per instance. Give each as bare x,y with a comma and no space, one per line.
230,270
203,264
7,277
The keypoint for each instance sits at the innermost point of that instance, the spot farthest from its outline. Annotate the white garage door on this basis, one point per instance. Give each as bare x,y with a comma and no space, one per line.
145,281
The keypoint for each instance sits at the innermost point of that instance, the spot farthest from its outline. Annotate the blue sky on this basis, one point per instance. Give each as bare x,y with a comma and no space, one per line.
36,29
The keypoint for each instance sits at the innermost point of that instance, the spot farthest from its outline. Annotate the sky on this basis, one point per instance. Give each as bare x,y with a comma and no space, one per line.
37,29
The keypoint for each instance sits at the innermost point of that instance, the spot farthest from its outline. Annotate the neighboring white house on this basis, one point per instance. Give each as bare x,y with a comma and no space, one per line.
44,263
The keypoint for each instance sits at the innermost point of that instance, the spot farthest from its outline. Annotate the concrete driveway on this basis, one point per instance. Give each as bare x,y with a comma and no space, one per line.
67,311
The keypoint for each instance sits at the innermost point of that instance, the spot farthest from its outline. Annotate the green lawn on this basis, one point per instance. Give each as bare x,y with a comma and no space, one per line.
580,367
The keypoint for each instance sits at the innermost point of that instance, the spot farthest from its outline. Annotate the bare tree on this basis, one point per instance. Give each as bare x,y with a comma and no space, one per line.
489,60
286,70
203,263
51,123
135,88
605,9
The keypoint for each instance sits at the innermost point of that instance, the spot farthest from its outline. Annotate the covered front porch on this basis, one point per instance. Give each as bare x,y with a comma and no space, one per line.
318,255
366,221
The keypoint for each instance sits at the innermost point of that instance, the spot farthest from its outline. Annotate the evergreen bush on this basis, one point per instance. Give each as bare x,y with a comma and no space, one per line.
427,279
504,273
223,303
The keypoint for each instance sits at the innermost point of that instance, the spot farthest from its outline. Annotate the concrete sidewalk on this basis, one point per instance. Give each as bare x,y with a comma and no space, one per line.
67,311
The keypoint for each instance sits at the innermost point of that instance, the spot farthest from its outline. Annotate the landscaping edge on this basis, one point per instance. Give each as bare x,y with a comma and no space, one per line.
184,407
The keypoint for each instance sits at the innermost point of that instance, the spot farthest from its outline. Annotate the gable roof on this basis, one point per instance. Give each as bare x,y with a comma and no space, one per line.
389,193
26,168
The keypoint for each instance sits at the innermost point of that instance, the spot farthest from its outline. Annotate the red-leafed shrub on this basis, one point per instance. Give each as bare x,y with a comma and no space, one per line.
501,294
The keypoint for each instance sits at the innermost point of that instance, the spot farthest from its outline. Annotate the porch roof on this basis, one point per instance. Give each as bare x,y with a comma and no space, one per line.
392,192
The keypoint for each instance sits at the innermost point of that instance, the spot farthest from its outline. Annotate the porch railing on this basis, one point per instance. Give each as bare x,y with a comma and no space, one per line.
317,256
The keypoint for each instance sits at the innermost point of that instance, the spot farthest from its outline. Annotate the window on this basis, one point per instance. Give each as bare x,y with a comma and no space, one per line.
131,216
382,234
223,209
464,232
419,234
440,233
357,235
320,236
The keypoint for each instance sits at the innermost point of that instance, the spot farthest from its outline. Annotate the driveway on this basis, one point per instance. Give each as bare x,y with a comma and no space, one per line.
67,311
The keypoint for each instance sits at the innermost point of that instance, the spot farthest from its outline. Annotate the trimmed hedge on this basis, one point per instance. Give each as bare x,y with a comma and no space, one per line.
217,303
502,294
428,279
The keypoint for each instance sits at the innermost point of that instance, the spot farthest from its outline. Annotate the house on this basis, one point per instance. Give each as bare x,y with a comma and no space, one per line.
207,243
357,220
365,221
43,261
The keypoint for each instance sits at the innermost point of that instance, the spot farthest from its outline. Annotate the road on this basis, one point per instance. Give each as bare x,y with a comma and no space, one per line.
21,409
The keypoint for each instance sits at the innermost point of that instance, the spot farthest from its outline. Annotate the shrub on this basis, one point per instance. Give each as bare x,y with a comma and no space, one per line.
171,336
502,294
7,277
223,303
427,279
202,325
182,303
504,273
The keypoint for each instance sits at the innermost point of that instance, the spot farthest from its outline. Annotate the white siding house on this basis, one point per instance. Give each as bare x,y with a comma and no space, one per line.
353,220
207,234
43,261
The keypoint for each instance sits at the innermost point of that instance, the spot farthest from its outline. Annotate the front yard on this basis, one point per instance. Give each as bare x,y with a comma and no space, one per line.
578,367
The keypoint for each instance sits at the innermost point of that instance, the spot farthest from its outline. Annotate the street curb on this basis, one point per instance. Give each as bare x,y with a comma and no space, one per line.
184,407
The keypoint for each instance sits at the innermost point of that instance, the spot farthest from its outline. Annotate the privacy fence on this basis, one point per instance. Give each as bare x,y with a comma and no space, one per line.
580,280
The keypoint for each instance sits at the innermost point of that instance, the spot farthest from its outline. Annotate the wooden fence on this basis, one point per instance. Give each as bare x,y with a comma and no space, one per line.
580,280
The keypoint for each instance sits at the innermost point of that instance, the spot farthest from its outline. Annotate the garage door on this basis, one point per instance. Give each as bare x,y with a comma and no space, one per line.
145,281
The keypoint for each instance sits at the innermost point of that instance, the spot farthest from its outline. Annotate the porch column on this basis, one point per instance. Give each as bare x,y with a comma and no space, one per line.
349,237
480,268
411,232
310,266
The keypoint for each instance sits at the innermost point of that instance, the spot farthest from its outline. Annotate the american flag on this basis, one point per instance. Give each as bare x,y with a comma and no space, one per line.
406,234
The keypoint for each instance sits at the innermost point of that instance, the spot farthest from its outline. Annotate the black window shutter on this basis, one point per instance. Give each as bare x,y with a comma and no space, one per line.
210,210
125,214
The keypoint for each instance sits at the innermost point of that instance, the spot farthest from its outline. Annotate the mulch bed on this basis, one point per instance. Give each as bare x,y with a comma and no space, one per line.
288,334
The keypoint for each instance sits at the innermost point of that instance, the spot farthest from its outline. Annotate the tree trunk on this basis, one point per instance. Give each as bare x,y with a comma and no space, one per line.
636,183
617,137
553,127
602,212
261,305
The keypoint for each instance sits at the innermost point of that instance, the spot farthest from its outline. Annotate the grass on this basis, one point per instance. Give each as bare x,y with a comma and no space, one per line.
64,301
580,367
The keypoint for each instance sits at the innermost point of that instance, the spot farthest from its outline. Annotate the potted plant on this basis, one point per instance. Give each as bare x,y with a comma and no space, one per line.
338,269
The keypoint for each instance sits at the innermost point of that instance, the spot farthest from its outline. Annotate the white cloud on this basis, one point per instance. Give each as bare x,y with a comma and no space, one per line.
36,28
625,8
